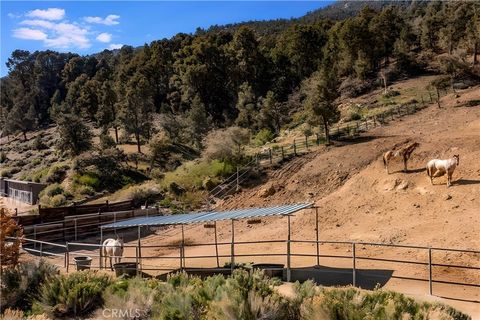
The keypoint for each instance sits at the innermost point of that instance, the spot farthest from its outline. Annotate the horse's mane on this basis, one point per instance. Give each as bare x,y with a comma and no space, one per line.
411,146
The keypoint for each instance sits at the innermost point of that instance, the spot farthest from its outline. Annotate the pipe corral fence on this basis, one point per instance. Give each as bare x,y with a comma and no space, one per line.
353,266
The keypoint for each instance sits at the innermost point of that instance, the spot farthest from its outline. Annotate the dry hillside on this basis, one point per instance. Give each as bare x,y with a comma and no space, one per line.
359,201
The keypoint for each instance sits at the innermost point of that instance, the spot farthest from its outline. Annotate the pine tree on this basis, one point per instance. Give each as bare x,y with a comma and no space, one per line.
197,122
246,106
74,136
320,103
137,108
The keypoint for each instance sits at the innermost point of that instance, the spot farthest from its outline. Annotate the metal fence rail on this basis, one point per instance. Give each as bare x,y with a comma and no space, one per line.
181,256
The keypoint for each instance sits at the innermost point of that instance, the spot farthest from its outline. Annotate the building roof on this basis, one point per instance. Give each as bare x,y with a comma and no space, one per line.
23,182
202,217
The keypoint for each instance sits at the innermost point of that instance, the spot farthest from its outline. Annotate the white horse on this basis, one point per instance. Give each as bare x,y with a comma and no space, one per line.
438,168
113,248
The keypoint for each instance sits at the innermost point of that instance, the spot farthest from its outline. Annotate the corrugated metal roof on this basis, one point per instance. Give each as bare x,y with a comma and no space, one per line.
201,217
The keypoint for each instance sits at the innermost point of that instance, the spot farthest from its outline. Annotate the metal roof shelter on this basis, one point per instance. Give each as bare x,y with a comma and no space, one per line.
206,217
202,217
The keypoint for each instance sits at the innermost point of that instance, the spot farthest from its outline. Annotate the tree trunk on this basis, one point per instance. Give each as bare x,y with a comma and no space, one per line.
116,134
475,50
438,97
137,137
327,131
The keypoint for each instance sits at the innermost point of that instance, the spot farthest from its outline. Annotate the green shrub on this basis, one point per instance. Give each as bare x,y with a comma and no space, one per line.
5,173
20,286
90,180
38,144
135,295
52,190
58,200
3,157
57,173
144,193
86,190
175,189
352,303
73,295
106,141
263,136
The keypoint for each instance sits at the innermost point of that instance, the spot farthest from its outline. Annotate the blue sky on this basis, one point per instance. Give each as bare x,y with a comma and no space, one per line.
87,27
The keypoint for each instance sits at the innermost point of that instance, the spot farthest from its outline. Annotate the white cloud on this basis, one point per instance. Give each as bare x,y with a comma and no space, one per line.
56,35
114,46
104,37
68,35
49,14
109,20
50,27
39,23
29,34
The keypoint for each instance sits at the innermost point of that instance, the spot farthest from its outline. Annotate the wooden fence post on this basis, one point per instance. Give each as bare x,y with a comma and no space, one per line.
294,147
270,155
306,142
283,153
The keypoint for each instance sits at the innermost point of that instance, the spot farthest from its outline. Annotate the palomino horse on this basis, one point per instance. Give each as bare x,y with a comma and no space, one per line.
437,168
403,153
113,248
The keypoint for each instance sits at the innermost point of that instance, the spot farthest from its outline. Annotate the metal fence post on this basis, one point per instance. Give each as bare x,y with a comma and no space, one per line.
67,255
317,236
294,147
139,247
270,155
306,142
354,266
183,246
216,244
289,270
232,249
41,249
430,270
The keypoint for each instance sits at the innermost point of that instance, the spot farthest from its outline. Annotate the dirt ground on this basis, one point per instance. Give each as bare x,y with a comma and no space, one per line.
359,201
